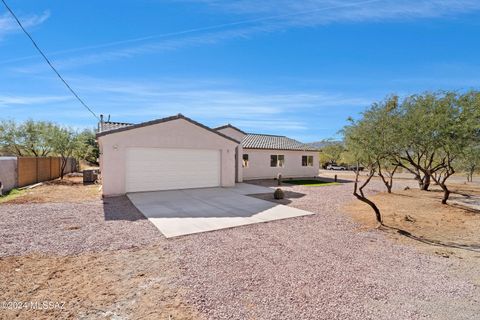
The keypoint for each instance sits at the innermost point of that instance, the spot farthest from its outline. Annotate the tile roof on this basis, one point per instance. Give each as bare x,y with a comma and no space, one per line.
270,142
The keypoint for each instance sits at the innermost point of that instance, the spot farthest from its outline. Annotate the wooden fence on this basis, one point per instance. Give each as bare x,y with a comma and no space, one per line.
32,170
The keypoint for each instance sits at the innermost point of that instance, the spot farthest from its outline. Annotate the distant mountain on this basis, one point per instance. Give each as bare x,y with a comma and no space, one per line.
323,143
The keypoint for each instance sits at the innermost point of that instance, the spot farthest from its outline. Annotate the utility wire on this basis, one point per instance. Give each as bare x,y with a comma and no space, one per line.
49,63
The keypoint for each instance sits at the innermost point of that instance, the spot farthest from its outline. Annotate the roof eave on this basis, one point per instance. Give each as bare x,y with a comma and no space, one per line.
280,149
229,126
158,121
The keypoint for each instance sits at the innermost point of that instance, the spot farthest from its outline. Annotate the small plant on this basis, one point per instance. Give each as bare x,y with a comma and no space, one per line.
279,194
10,195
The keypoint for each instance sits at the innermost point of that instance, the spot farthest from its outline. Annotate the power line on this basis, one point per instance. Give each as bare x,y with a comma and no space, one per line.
48,62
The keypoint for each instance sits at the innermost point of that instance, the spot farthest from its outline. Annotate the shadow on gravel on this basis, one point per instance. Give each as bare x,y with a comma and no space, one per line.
120,208
468,247
285,201
326,179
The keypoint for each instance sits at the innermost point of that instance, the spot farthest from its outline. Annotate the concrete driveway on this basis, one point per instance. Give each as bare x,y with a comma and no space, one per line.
183,212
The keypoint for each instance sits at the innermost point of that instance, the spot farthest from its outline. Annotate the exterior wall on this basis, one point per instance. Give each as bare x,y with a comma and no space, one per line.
177,133
259,164
232,133
239,163
8,173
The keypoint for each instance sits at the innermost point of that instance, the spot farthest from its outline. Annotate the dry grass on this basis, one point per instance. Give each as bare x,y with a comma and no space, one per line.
85,165
70,189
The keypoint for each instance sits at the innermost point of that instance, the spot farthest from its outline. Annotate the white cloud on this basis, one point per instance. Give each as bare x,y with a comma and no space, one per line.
209,101
144,48
314,12
9,100
8,25
259,18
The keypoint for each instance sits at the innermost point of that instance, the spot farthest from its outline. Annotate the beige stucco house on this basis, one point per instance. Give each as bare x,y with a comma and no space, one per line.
180,153
266,156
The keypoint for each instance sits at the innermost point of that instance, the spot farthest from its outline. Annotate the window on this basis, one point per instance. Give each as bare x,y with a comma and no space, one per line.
307,161
245,161
281,160
277,160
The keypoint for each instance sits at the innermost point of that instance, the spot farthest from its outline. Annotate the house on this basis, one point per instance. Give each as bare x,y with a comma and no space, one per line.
179,153
266,156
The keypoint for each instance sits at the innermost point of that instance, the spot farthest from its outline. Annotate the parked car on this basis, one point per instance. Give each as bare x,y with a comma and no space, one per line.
335,167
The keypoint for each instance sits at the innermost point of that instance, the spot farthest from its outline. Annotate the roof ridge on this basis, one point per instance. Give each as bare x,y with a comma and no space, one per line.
274,142
268,135
228,125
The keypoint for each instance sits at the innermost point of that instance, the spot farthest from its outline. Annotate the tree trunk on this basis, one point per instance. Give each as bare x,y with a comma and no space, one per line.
442,179
446,193
378,215
361,196
388,184
62,167
425,182
385,182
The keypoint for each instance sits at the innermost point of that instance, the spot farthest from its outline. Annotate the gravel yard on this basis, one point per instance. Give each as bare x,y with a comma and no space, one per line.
106,260
319,267
70,228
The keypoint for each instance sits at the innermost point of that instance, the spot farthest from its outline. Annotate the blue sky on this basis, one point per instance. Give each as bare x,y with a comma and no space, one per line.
298,68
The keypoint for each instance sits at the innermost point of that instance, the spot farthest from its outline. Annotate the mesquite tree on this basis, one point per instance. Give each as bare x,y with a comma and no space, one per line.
358,139
30,138
428,135
418,141
64,143
376,135
470,161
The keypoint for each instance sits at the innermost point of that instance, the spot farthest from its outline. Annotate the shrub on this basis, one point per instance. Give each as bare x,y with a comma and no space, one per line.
278,194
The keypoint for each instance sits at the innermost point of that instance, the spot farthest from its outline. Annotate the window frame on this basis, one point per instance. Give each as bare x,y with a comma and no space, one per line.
308,161
245,161
278,159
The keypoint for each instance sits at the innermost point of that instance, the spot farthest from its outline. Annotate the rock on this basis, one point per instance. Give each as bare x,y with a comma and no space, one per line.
442,254
406,188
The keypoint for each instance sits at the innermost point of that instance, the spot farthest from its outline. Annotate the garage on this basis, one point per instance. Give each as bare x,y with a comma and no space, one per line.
149,169
172,153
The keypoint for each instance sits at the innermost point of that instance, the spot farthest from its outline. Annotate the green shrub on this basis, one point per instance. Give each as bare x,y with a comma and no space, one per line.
279,194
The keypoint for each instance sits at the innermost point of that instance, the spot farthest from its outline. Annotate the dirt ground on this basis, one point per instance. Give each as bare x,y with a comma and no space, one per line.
108,285
70,189
450,231
66,253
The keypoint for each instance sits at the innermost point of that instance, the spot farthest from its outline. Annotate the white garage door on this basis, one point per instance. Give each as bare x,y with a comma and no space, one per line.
149,169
